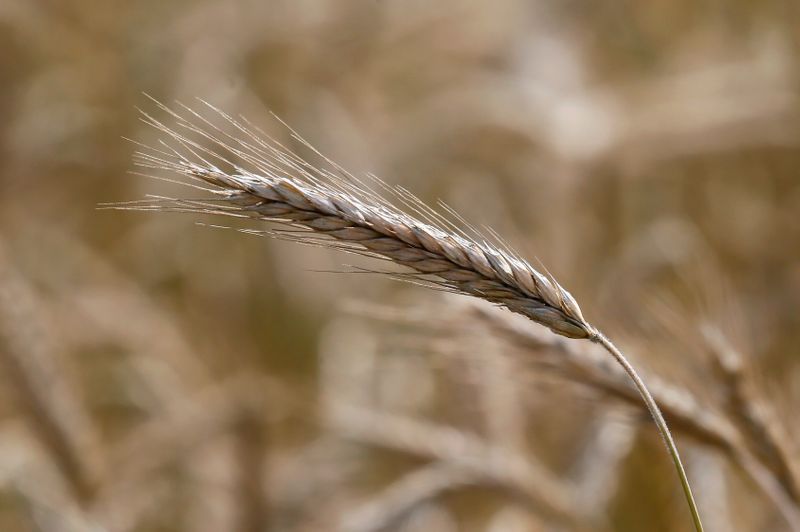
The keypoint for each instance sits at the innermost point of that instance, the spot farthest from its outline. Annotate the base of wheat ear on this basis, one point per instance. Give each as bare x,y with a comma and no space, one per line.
245,173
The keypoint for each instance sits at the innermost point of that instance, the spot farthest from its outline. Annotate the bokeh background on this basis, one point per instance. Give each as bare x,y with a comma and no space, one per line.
158,375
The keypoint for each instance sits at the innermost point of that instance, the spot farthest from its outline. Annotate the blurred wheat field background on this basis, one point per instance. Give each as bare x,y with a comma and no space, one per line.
157,375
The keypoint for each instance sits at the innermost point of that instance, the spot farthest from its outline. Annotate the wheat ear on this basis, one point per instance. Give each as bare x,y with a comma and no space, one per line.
251,175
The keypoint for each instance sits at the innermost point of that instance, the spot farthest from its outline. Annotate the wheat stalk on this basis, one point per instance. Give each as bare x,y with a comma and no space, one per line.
250,175
686,414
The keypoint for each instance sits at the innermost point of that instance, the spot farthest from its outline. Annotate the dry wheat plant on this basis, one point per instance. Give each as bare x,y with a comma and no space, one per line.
161,375
254,176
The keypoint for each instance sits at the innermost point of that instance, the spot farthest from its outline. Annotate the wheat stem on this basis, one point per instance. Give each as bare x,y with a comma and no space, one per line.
659,420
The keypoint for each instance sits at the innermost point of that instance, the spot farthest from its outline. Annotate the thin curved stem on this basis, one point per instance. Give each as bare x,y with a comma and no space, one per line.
655,412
